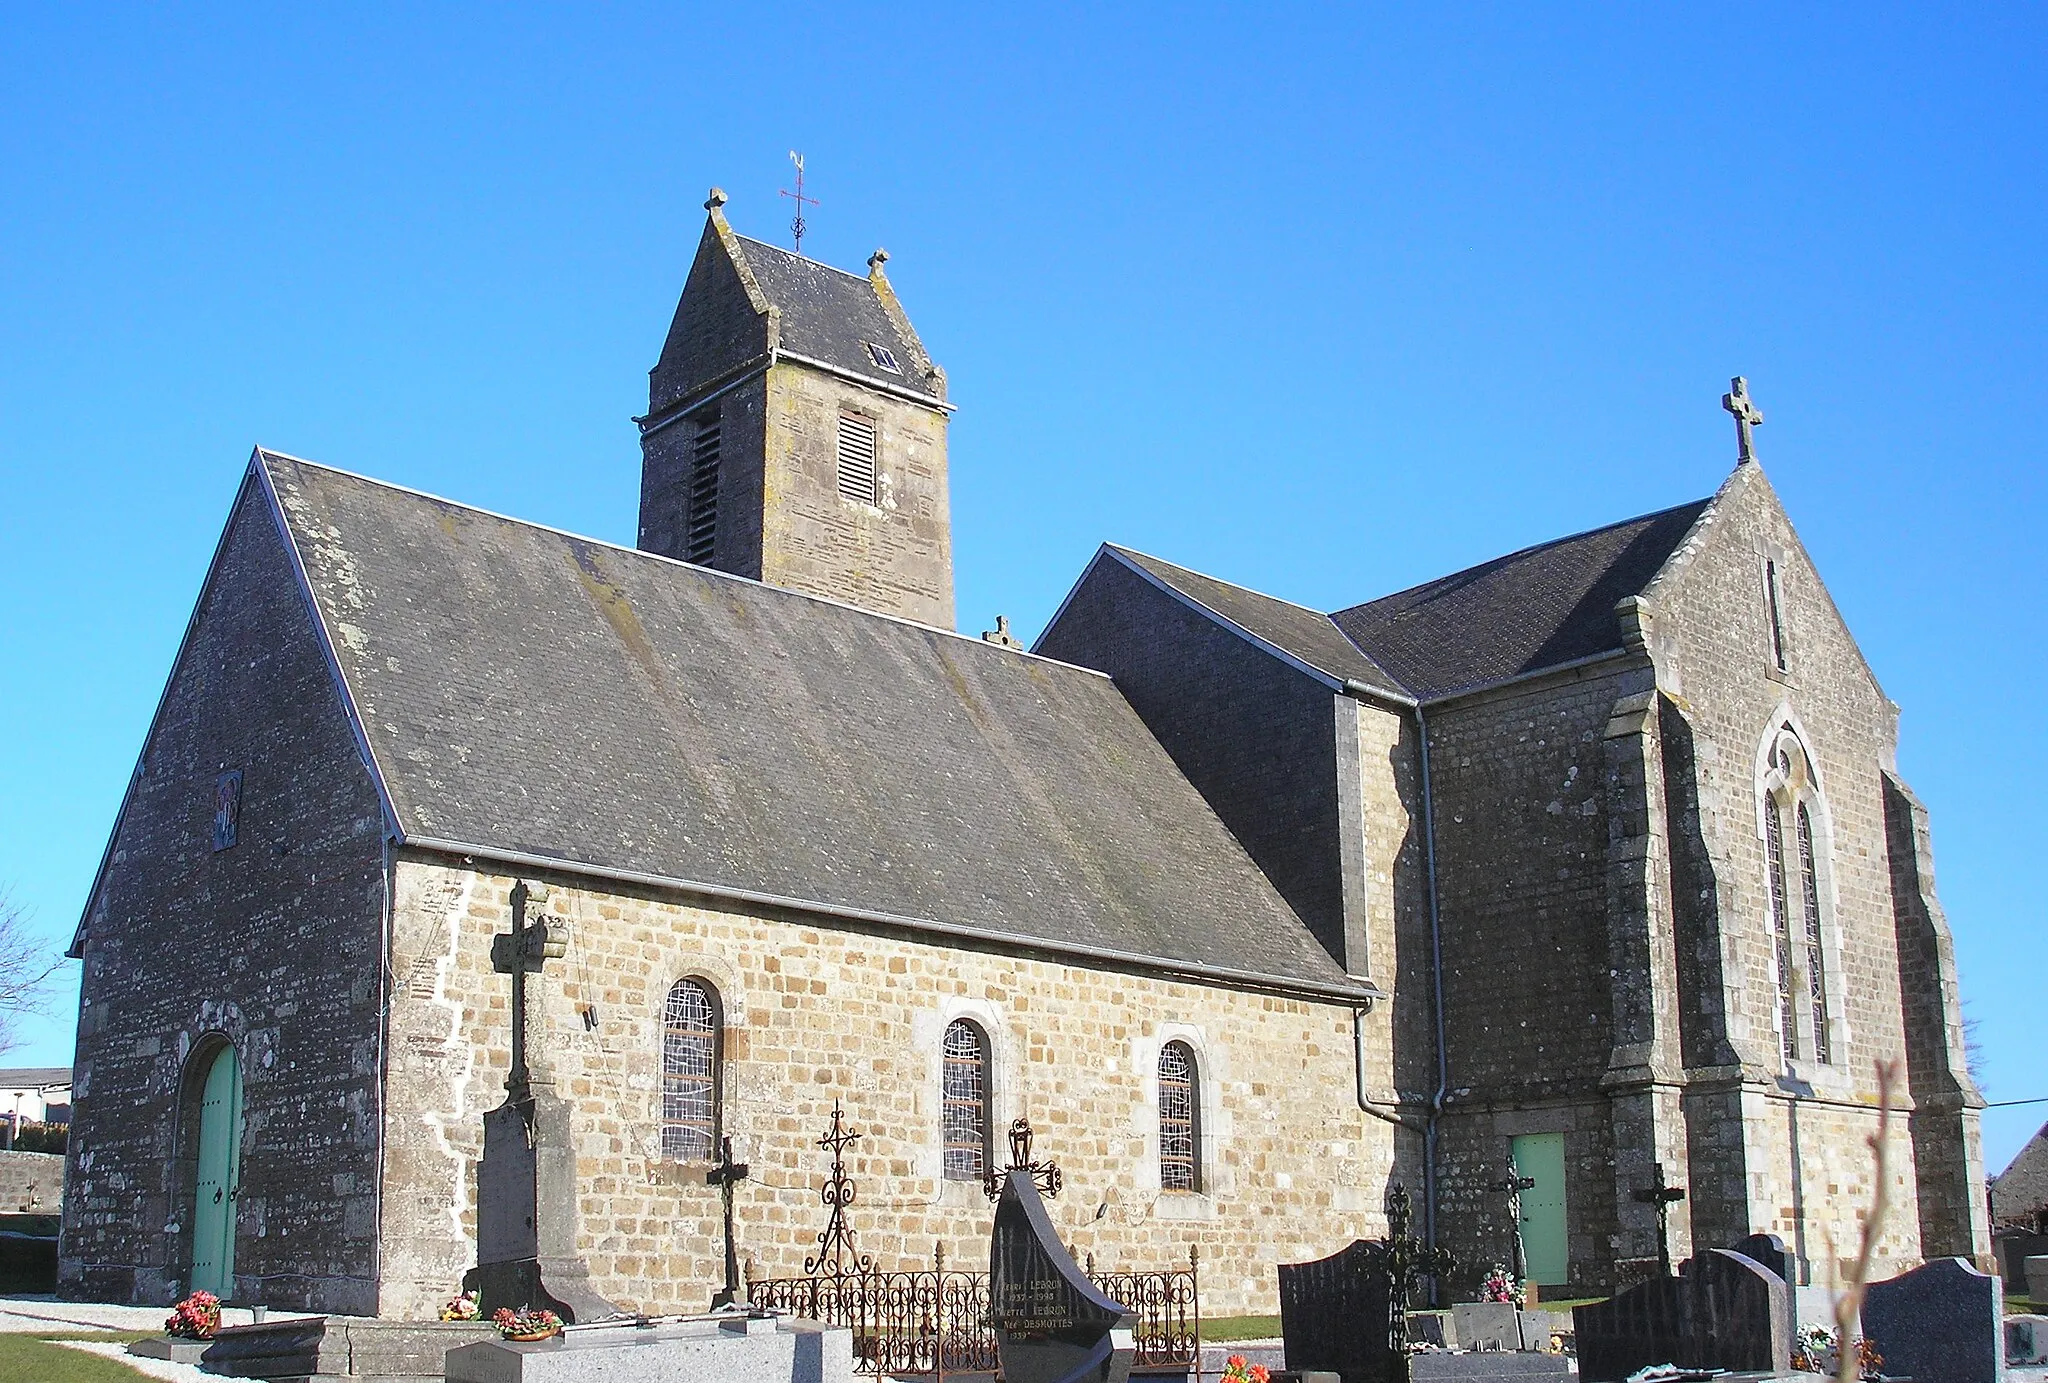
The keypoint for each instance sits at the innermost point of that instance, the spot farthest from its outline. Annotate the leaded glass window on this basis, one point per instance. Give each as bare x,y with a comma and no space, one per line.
964,1101
1816,974
1781,926
1179,1163
689,1073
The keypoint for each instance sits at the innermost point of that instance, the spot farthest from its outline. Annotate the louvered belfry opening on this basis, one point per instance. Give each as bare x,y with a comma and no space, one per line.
857,458
701,537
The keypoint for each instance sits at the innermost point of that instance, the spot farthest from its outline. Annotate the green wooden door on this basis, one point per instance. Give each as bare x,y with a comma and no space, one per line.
220,1159
1541,1158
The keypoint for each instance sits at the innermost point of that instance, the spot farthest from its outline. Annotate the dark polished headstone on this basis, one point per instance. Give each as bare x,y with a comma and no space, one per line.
1770,1251
1723,1311
1051,1324
1940,1323
1335,1314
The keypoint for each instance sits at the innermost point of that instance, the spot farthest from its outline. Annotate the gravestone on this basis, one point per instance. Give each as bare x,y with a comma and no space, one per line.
2026,1340
1052,1325
2036,1267
1490,1366
1940,1323
1540,1327
1433,1328
1770,1251
1335,1315
1492,1325
1723,1311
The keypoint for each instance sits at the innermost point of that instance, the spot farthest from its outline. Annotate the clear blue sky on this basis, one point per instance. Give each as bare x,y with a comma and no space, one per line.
1323,301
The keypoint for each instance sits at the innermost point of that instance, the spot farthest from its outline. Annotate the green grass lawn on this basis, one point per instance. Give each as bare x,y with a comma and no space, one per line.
33,1359
1217,1330
2023,1306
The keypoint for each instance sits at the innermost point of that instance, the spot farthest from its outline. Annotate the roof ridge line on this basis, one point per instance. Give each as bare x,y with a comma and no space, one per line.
1525,551
673,561
861,278
1234,585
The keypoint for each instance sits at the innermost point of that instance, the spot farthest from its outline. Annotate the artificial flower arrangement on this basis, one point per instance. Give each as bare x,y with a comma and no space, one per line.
1236,1370
1817,1349
526,1323
461,1307
197,1317
1503,1286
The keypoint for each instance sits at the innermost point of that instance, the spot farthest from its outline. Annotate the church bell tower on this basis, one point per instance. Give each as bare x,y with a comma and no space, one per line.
796,432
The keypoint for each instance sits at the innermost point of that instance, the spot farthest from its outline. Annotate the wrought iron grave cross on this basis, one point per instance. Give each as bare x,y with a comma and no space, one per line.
1513,1187
797,226
837,1256
524,948
1408,1262
726,1175
1663,1197
1747,416
1045,1175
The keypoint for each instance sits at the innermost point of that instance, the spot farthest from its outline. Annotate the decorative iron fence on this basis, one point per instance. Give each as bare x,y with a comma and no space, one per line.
934,1322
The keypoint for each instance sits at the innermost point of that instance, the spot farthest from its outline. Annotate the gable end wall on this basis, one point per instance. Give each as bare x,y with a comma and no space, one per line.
273,944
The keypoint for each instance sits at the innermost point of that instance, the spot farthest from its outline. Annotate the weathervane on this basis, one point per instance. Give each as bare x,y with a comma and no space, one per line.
796,225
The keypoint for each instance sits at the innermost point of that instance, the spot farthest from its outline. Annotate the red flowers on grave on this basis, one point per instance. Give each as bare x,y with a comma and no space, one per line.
1236,1370
526,1323
1502,1286
197,1317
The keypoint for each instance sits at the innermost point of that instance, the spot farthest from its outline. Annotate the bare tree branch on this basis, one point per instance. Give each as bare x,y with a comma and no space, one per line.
1849,1306
26,963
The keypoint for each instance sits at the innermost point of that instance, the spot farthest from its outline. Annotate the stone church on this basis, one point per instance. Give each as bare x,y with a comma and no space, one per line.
1594,857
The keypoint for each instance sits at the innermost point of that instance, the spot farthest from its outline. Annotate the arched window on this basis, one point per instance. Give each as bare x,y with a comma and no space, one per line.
1789,801
690,1024
964,1101
1180,1163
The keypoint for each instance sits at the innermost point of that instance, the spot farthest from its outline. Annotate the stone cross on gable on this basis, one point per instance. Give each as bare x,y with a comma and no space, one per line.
1747,417
1663,1198
1513,1187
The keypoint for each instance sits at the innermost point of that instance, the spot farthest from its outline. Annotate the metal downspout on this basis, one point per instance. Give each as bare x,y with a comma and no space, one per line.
1436,973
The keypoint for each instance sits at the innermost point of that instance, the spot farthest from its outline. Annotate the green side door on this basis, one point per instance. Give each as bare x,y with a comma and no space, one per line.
220,1158
1540,1156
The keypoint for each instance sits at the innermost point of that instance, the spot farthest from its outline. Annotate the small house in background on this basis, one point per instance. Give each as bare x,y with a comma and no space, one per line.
33,1095
2019,1209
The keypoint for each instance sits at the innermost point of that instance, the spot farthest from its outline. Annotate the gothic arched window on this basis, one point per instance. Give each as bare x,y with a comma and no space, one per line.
690,1032
964,1091
1794,861
1180,1163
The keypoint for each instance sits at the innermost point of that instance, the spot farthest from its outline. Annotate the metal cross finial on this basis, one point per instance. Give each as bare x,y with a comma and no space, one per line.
796,225
1046,1175
1747,416
1663,1197
1513,1187
1406,1261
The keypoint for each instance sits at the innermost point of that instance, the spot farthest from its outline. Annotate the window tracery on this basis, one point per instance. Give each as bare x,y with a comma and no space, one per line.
690,1033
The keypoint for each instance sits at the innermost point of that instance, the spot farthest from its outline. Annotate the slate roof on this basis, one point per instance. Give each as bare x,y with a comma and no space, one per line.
528,691
1305,634
1534,609
829,314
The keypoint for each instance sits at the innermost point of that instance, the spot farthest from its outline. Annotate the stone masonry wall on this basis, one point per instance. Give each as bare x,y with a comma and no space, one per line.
1522,853
817,1013
1255,735
1710,631
272,944
894,556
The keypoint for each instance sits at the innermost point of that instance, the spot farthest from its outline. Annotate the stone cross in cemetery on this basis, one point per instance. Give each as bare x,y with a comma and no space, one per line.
1513,1187
725,1176
1662,1197
525,1258
1052,1324
1747,417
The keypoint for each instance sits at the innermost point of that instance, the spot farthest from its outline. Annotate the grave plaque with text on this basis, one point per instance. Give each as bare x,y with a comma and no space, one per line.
1052,1325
